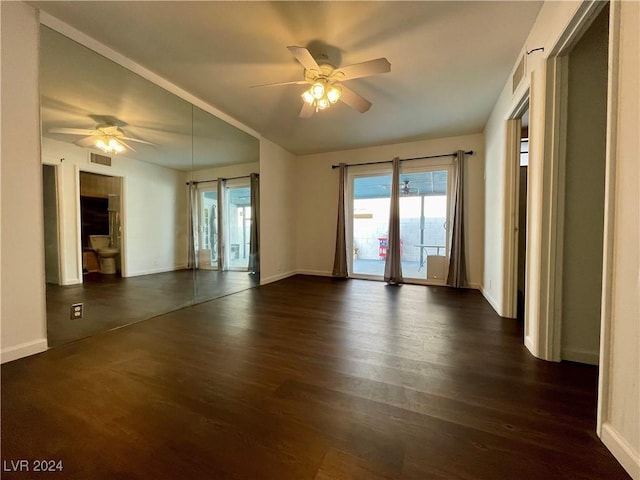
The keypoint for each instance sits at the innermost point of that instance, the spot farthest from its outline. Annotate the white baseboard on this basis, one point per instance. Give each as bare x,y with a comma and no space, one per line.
151,271
624,453
275,278
492,301
317,273
24,350
528,342
580,356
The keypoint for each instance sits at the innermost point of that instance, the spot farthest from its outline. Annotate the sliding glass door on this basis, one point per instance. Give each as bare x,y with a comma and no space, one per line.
424,223
238,231
208,231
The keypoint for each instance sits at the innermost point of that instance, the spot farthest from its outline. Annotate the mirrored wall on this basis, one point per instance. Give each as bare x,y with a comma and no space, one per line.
132,201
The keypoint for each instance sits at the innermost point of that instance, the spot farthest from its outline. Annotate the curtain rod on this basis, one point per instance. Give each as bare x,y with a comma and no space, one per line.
470,152
195,182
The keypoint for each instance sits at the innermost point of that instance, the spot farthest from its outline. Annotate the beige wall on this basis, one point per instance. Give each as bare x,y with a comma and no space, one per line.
277,212
317,197
620,357
151,243
22,255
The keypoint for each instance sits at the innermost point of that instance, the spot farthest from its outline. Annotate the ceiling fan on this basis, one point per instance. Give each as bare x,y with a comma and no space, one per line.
326,82
404,188
108,138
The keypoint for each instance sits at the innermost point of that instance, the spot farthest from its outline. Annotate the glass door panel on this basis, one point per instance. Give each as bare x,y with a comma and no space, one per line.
424,224
371,198
208,242
238,226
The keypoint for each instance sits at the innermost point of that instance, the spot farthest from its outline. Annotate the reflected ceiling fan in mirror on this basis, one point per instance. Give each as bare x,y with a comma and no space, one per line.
405,189
326,82
108,138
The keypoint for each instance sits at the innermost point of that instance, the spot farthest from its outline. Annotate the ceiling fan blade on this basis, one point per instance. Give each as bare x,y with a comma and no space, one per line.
72,131
126,145
354,100
307,110
364,69
304,57
136,140
85,142
111,130
295,82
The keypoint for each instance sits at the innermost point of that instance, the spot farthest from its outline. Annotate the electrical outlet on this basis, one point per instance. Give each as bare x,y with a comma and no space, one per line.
76,311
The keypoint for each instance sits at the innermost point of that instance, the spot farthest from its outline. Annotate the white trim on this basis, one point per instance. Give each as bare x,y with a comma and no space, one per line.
584,15
151,271
624,453
492,301
557,101
511,186
78,217
608,250
317,273
530,343
124,264
85,40
275,278
24,350
581,356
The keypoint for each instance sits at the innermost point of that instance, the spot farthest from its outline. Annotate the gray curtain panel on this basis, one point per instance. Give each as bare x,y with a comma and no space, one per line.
254,245
192,260
222,215
457,276
393,265
340,268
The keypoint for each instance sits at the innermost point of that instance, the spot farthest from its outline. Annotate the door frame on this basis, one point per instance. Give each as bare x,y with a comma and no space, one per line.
512,200
550,326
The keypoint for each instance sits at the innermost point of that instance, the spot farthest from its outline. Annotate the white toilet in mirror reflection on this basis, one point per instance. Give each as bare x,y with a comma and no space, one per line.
106,254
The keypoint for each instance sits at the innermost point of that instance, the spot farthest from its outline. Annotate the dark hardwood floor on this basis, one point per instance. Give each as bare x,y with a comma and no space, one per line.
111,301
307,378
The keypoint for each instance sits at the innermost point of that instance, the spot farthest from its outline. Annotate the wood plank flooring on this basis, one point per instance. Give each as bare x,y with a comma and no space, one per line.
111,301
308,378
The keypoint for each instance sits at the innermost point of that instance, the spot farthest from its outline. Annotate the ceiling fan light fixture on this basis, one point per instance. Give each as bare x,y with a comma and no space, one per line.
101,144
322,103
317,90
308,97
109,145
334,93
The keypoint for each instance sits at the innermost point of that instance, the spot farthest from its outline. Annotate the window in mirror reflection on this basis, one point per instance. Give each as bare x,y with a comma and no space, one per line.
208,251
239,226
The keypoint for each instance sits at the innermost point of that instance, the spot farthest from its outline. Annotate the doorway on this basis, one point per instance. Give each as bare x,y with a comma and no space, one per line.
50,210
100,225
521,212
580,232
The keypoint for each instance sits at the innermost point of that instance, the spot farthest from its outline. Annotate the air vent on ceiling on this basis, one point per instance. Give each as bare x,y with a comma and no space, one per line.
518,75
100,159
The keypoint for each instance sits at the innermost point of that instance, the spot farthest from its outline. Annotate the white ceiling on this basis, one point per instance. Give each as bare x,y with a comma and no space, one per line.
449,60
